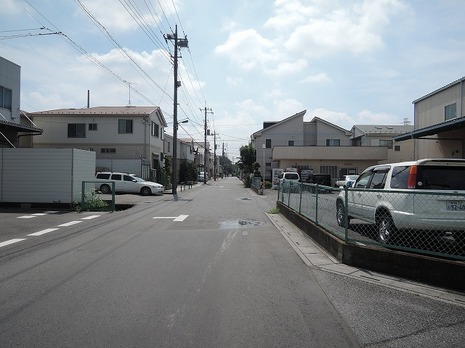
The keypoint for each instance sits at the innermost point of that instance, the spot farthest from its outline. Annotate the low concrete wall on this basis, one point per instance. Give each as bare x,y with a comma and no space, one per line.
425,269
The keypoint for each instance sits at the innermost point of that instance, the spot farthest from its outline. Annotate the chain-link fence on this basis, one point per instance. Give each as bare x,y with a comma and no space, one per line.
420,221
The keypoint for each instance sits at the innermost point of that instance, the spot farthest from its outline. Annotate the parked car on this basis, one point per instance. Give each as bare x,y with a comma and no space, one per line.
345,179
201,177
423,195
320,179
284,177
127,183
288,179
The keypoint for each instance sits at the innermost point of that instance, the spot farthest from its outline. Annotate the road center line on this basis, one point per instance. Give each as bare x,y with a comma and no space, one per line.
48,230
90,217
71,223
11,241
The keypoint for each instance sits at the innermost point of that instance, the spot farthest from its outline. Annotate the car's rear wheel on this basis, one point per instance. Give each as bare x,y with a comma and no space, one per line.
340,214
105,189
145,191
386,228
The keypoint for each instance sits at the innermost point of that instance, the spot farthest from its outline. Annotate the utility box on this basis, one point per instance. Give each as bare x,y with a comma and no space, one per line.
45,175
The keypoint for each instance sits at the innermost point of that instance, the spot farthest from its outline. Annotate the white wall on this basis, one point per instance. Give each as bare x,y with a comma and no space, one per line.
44,175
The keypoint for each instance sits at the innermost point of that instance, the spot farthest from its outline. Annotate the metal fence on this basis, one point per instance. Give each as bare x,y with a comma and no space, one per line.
419,221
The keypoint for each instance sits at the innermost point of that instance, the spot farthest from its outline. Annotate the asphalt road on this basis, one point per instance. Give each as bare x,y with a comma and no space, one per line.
207,269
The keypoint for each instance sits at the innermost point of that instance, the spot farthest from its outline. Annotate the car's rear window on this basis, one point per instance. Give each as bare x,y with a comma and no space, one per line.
292,176
103,176
441,177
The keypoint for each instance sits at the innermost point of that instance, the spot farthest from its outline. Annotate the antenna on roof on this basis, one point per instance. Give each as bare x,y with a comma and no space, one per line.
129,87
88,98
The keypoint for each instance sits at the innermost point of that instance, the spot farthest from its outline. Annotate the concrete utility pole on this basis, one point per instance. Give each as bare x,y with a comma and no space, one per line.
207,110
177,43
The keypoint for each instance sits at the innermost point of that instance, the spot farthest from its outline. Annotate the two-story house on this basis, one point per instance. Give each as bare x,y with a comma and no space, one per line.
124,138
323,147
439,120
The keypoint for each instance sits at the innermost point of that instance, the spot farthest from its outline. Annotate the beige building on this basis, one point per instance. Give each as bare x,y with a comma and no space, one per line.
323,147
439,123
128,139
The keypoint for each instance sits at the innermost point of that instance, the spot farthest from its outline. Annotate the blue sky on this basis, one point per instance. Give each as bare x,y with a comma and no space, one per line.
348,62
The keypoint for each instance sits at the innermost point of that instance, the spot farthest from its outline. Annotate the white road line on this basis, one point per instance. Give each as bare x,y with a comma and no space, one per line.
174,218
39,214
26,217
71,223
181,218
90,217
48,230
11,241
52,212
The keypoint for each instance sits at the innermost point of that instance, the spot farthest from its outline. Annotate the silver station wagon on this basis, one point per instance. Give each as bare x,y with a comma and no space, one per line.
423,195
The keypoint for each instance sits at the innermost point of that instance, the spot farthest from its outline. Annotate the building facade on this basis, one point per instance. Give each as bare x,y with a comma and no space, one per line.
12,127
439,123
127,139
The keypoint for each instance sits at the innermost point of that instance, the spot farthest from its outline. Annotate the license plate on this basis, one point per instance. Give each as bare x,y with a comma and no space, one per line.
455,205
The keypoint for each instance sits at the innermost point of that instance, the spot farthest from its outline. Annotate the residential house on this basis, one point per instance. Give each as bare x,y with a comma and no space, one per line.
284,133
323,147
439,123
383,136
124,138
12,129
203,157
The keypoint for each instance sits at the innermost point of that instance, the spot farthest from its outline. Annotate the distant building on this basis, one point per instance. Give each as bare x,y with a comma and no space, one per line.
322,147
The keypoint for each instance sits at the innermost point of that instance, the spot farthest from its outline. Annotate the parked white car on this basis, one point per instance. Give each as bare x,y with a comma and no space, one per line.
423,195
345,179
127,183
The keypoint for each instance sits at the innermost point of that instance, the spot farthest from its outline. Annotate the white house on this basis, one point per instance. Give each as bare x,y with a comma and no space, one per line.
124,138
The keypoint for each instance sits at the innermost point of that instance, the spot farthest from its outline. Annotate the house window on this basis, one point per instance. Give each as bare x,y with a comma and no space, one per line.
386,143
333,142
124,126
397,148
6,98
155,129
76,130
268,143
92,126
290,143
107,150
450,111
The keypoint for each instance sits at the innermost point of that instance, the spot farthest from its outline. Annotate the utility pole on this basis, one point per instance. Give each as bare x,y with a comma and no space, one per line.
177,43
209,111
214,157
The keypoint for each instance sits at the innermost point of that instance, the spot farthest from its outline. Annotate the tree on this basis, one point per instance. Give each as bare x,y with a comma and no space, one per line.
248,158
246,163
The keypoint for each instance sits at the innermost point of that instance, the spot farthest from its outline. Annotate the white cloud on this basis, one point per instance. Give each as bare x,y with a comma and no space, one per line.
317,78
247,48
10,7
122,17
